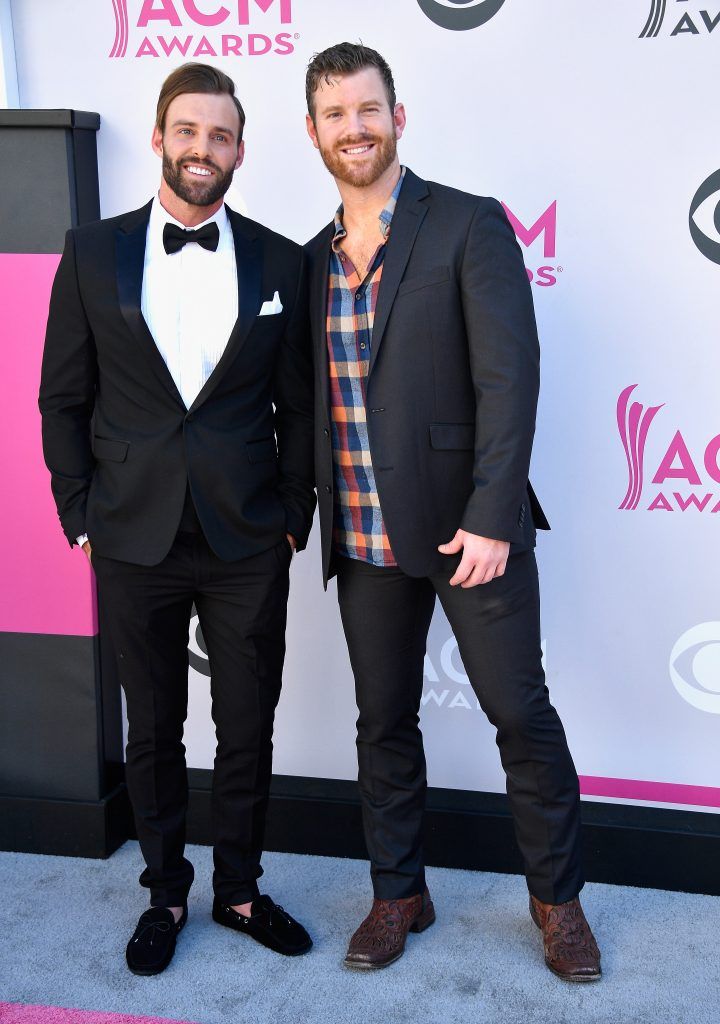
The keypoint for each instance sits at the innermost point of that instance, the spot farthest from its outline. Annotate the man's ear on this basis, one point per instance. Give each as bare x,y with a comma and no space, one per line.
241,154
399,120
156,141
312,131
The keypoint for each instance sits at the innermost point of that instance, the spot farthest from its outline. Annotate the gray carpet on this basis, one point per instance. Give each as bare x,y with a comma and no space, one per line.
64,923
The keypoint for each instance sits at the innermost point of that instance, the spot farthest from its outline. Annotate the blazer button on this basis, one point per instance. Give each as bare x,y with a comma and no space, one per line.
328,488
189,418
326,432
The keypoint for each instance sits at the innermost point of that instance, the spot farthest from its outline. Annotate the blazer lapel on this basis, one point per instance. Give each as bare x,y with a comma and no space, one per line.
409,215
320,268
130,240
248,261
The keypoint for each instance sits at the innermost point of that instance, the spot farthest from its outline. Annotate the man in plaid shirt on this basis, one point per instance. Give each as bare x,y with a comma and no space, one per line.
427,374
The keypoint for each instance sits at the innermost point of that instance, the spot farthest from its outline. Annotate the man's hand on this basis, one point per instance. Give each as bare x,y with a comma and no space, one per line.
483,559
88,550
292,542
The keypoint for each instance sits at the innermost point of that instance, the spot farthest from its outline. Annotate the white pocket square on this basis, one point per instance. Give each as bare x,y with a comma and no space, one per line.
271,306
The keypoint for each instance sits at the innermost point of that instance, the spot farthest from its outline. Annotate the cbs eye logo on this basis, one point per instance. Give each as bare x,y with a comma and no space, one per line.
705,218
197,650
460,15
695,667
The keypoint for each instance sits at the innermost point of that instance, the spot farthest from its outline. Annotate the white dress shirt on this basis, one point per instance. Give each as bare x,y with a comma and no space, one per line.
189,300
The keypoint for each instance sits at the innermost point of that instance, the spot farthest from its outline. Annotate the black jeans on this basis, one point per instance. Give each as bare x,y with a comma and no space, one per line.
242,611
386,616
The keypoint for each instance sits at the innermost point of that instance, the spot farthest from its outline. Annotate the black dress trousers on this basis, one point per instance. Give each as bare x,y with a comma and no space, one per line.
242,611
386,616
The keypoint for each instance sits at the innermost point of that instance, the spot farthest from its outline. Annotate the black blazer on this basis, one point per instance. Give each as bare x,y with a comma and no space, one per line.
120,444
453,380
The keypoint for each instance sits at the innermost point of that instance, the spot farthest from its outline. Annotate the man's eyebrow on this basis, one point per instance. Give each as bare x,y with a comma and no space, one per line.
193,124
338,106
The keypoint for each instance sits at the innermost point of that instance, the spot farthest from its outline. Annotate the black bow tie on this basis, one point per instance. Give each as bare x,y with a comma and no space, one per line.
174,237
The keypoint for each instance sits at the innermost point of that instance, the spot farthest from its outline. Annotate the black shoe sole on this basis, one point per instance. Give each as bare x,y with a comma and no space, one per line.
575,978
360,965
147,972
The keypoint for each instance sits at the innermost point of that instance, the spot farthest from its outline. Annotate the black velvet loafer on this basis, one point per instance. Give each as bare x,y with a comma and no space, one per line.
151,948
268,924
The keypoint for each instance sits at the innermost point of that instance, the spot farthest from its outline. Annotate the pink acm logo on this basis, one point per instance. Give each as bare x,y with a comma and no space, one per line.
202,28
677,471
543,229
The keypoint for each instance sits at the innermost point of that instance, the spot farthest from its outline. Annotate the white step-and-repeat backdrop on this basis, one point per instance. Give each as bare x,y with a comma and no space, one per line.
594,124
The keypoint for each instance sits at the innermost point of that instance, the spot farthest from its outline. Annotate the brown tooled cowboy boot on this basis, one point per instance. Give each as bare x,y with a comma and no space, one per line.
570,948
380,939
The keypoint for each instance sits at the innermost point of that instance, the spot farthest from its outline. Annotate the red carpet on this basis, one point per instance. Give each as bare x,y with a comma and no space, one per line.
16,1013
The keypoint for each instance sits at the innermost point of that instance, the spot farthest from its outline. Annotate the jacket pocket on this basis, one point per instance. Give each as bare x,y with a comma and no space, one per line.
104,448
436,275
261,451
452,436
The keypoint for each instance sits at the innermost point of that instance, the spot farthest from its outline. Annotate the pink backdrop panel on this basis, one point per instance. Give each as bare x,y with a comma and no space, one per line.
47,587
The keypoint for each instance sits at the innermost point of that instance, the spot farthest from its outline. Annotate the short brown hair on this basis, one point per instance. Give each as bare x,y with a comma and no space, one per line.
196,78
346,59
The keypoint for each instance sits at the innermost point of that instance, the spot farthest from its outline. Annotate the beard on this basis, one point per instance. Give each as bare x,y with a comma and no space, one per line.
201,192
358,173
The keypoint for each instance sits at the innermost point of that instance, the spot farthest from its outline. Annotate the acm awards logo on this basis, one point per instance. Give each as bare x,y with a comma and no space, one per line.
545,228
678,470
460,15
679,467
695,667
446,684
190,29
677,21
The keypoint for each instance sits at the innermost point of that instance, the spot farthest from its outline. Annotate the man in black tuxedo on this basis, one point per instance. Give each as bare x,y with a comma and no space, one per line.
427,363
176,400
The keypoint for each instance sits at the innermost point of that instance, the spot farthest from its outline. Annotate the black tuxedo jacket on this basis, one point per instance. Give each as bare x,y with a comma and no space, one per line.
120,444
453,380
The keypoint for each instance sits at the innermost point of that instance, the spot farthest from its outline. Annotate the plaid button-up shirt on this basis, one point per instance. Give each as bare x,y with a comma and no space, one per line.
359,531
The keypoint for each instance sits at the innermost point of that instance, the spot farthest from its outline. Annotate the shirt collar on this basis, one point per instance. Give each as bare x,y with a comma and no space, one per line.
386,214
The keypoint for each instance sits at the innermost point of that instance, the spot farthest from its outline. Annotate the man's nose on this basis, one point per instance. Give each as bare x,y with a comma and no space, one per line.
201,145
355,124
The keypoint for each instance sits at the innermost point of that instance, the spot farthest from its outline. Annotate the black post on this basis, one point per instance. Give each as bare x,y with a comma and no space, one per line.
61,788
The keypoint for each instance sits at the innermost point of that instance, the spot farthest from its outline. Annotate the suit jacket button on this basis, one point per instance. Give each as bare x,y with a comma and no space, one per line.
326,432
328,488
189,418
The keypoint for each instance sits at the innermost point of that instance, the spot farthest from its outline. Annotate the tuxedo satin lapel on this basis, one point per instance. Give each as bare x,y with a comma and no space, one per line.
248,260
318,312
130,241
409,215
